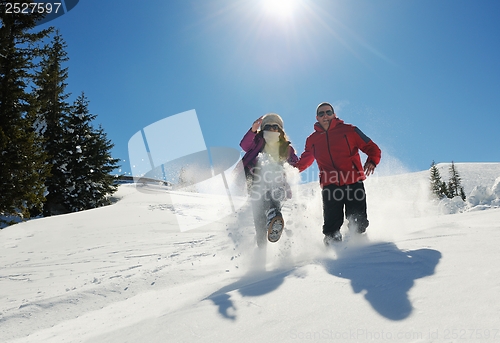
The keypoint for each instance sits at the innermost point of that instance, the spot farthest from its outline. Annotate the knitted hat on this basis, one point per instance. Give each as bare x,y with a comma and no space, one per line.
271,118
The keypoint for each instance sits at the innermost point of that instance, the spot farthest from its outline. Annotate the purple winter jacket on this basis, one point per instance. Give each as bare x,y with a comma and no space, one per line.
253,145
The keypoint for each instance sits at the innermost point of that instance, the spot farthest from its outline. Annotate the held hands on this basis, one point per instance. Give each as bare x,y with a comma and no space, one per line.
256,124
369,168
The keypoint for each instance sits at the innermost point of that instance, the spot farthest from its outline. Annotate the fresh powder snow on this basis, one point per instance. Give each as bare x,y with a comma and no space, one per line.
427,271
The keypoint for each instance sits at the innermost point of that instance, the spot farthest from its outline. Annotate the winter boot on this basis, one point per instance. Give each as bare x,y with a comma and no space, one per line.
332,239
357,224
275,225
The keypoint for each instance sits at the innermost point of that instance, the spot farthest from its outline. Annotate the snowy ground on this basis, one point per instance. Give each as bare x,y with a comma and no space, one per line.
126,273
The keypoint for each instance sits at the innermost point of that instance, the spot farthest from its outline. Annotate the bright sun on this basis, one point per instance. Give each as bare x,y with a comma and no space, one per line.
280,8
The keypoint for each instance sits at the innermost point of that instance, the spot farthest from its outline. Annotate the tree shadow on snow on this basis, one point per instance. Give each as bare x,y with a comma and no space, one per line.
384,273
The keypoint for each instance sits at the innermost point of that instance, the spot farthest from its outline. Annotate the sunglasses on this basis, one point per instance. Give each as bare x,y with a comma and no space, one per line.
270,127
322,113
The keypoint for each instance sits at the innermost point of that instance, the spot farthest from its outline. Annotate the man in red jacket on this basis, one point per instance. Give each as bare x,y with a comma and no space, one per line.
334,145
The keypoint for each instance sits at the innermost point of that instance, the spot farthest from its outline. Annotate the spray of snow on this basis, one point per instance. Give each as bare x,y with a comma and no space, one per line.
126,273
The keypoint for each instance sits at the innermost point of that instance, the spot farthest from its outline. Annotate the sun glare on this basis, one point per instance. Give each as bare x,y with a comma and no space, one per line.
280,8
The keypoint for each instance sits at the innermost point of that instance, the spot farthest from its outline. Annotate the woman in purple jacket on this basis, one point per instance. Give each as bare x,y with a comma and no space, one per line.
267,151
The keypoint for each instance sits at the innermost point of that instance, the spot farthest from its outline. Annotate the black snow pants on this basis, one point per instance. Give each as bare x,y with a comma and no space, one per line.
353,199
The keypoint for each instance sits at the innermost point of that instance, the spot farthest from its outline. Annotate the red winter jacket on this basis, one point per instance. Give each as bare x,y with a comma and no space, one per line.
336,152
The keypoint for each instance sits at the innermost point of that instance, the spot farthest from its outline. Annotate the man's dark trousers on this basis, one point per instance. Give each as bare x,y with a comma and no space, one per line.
353,199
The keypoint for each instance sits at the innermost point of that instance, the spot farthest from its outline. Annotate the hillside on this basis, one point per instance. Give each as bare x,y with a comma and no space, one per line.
126,273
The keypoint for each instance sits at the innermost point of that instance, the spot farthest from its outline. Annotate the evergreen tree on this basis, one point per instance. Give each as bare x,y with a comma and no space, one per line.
438,187
52,109
89,163
454,184
22,167
462,194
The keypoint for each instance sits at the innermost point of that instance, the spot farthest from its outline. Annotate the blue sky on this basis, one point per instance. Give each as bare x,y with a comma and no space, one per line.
419,77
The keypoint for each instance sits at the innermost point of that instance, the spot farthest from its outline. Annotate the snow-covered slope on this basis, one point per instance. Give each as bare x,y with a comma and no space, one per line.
126,273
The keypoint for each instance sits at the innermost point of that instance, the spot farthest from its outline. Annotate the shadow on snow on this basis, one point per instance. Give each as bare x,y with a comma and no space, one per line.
250,285
255,282
384,273
381,271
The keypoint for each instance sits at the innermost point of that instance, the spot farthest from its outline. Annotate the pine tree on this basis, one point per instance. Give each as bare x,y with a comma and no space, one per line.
438,187
22,167
462,194
52,109
454,184
89,163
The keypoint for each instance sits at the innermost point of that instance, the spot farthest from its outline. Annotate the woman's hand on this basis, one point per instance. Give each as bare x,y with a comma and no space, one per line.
256,124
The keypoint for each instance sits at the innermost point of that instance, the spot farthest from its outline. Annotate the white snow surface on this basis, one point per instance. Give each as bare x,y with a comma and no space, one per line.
126,273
